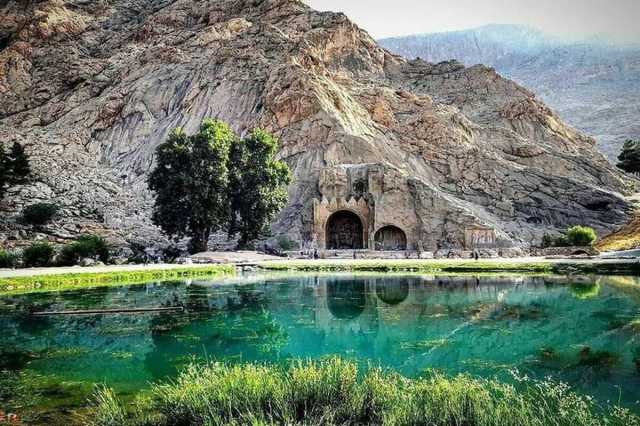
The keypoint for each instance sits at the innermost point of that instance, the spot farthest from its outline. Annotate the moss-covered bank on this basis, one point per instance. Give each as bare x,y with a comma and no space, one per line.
334,392
458,266
77,280
426,266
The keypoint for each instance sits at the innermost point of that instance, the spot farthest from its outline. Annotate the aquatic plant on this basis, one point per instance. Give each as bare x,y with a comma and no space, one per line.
600,359
334,392
108,409
585,290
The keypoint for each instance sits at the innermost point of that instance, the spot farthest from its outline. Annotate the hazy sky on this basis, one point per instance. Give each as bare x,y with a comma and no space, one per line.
618,19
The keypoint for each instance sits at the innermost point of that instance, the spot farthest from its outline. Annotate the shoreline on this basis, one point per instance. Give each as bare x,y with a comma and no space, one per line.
63,278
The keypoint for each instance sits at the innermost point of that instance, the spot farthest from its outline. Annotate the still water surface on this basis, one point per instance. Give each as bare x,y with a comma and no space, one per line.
576,330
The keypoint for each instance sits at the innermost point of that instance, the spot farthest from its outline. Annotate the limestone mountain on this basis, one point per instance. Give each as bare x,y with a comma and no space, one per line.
92,87
592,84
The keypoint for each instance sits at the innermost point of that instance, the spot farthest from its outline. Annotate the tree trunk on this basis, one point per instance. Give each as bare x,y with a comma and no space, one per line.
199,241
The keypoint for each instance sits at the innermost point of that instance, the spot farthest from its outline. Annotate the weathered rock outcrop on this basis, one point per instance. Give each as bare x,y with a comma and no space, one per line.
92,87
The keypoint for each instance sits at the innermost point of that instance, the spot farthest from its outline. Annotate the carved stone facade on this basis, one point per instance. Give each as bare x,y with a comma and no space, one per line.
369,198
375,207
327,231
479,237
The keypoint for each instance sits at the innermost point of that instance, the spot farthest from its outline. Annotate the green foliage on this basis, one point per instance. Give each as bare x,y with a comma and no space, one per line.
258,185
547,241
286,243
40,213
171,253
629,158
60,282
211,180
8,259
87,246
38,255
581,236
575,236
14,167
107,408
561,241
585,291
335,392
191,183
19,164
423,266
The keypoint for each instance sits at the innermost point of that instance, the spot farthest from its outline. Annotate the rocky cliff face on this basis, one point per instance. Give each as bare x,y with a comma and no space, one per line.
92,87
593,85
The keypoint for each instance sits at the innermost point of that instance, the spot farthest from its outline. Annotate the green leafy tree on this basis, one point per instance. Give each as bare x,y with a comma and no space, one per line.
191,182
629,158
19,166
14,167
212,180
258,185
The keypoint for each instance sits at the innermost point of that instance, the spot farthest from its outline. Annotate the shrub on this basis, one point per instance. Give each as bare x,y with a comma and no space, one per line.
8,259
629,158
87,246
334,392
547,241
171,253
286,243
40,213
38,254
561,241
581,236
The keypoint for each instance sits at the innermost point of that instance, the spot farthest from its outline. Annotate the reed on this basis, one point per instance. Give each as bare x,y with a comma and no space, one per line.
335,392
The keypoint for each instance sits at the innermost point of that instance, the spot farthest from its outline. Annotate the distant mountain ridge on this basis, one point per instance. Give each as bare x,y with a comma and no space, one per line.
593,84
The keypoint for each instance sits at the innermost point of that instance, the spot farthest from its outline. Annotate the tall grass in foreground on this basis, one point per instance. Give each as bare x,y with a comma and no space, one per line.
334,392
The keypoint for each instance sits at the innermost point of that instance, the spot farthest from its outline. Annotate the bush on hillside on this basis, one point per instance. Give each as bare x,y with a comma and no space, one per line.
38,255
286,243
40,213
575,236
87,246
581,236
8,259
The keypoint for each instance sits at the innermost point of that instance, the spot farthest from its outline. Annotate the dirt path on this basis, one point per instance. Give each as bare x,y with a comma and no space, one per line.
210,258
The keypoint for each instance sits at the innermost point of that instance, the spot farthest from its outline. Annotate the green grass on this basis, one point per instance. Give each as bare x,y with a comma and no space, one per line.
80,280
451,267
424,266
335,392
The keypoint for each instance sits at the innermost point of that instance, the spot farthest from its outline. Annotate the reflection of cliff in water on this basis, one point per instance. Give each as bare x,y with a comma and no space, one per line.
346,299
272,317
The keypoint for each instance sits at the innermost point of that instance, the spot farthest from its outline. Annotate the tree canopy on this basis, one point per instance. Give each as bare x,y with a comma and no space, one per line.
14,167
258,185
629,158
213,180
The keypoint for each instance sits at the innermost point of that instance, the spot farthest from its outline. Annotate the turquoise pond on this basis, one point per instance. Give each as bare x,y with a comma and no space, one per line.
580,331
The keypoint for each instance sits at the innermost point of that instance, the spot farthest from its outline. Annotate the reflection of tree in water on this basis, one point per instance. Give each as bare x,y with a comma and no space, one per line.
346,299
392,292
232,325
